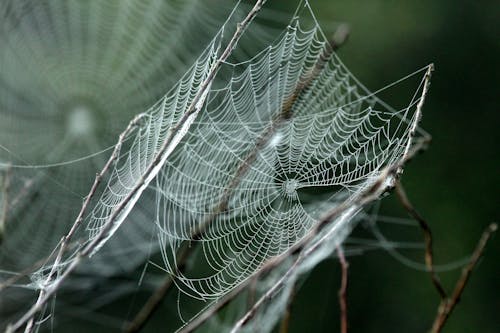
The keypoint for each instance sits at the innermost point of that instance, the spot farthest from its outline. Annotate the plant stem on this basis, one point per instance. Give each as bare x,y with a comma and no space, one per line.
448,304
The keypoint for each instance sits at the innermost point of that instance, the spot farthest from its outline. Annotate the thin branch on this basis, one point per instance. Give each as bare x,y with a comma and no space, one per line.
429,257
285,321
188,117
4,199
448,304
344,265
154,301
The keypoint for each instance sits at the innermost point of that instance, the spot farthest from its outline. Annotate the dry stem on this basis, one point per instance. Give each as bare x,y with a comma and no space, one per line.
343,290
448,304
4,199
429,257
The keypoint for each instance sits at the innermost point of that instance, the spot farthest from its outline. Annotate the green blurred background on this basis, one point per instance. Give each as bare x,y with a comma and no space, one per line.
454,184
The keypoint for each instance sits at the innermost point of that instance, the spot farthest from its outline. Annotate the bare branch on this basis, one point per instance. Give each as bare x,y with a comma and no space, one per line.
448,304
344,265
4,198
285,322
429,258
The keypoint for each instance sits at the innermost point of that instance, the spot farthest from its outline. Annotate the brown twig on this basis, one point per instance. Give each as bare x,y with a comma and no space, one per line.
285,321
4,199
429,257
344,265
448,304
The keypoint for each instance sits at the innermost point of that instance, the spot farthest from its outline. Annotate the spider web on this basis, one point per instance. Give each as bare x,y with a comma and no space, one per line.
292,135
290,123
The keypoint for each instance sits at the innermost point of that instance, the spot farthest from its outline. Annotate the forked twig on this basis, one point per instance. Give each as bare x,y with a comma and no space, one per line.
429,257
45,294
448,304
344,265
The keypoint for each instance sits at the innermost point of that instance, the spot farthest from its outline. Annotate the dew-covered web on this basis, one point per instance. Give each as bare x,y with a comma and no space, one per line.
242,167
291,136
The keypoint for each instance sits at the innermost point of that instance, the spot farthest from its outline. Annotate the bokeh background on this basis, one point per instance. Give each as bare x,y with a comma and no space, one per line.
454,184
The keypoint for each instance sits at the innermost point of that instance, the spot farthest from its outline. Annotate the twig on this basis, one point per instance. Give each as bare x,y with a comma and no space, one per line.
154,301
448,304
177,131
429,258
4,199
285,321
343,290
